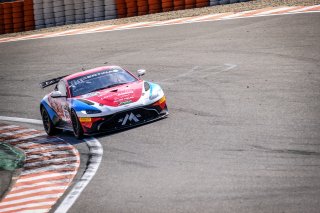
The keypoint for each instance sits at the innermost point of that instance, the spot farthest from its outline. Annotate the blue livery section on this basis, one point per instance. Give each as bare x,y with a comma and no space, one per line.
79,106
52,114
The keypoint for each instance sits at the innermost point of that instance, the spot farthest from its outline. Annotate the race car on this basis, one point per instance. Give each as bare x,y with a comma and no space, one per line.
103,99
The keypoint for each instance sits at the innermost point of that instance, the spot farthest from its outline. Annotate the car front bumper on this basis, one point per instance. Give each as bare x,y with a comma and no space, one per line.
125,119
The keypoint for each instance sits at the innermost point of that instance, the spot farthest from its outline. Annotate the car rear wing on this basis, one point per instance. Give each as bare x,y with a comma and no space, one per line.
51,82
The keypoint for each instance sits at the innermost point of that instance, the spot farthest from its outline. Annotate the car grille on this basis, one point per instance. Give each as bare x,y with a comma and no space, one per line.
128,118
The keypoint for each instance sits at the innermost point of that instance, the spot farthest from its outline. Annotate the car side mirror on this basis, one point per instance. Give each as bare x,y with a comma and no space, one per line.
57,94
141,72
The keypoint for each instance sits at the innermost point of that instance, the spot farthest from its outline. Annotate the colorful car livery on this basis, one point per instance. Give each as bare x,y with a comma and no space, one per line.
103,99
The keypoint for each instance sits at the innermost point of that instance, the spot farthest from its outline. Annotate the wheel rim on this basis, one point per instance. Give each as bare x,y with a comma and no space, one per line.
46,121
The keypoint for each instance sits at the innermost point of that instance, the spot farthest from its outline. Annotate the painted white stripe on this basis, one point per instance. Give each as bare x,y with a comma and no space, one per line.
16,132
28,37
199,18
26,137
22,120
168,22
45,154
131,25
44,183
48,168
45,189
47,140
273,11
34,211
27,205
95,29
304,8
235,15
43,148
33,198
7,127
57,174
57,160
96,152
59,33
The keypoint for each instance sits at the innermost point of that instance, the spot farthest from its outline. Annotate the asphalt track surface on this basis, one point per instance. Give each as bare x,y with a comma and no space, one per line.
243,131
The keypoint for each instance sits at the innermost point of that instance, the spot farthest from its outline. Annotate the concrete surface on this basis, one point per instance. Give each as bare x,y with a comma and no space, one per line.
243,133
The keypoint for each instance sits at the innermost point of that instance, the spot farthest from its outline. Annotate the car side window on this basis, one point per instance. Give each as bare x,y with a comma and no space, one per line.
62,88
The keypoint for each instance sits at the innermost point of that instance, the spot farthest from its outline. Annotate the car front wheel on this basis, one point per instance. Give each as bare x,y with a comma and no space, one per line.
77,128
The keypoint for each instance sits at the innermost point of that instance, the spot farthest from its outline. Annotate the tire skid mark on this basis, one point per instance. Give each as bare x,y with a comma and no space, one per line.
49,169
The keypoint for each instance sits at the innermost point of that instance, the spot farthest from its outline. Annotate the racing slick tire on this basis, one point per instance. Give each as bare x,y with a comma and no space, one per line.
47,123
77,128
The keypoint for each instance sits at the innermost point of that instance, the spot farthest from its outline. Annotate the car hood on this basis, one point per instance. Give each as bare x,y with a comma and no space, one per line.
117,96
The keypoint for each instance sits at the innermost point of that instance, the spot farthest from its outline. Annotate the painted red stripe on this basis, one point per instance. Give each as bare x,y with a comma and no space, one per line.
44,158
40,187
47,173
317,8
256,12
55,191
41,140
28,202
45,179
20,135
10,130
288,10
42,145
217,17
30,208
51,164
50,150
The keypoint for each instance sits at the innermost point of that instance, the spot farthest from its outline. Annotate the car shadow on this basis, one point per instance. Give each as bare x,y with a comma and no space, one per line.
68,135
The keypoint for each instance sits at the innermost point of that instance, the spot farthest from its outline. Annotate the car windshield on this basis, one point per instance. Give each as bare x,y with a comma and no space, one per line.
99,80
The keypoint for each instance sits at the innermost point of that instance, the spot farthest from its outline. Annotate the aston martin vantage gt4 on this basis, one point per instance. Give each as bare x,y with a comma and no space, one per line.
104,99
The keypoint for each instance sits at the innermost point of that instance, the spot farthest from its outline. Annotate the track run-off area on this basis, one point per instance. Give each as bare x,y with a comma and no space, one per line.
243,130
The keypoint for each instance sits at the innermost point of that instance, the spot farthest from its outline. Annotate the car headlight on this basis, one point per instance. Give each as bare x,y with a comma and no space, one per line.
155,93
90,111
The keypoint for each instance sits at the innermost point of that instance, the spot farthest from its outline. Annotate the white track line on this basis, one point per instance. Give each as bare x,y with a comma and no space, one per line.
95,152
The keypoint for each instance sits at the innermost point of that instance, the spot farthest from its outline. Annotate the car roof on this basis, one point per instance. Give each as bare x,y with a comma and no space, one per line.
83,73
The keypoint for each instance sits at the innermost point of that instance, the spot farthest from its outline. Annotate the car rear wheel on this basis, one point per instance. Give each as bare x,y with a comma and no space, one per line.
77,128
47,123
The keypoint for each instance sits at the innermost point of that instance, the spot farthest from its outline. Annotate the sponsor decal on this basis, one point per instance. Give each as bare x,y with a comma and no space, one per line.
129,117
125,102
